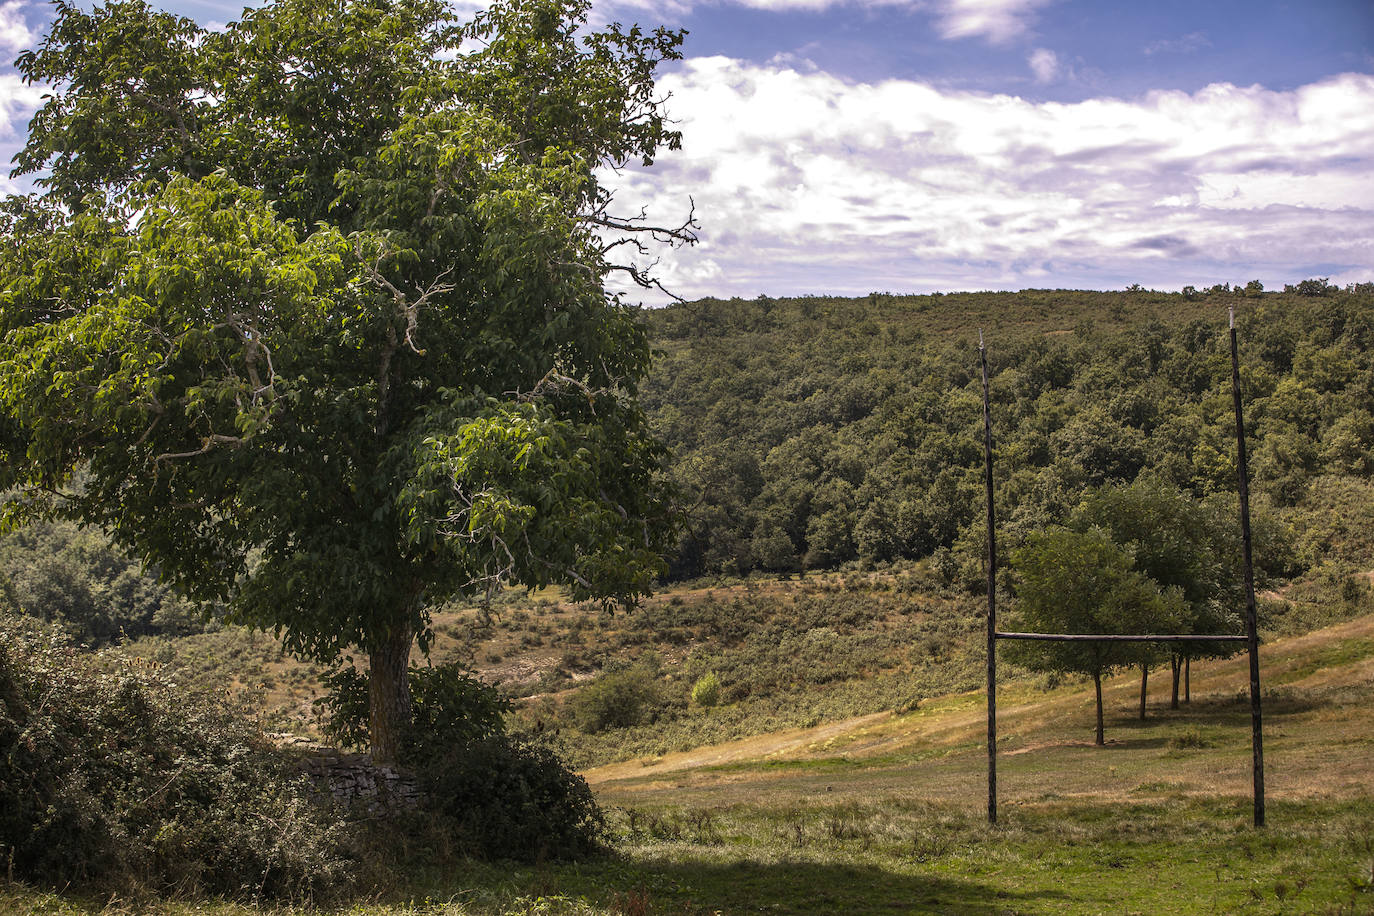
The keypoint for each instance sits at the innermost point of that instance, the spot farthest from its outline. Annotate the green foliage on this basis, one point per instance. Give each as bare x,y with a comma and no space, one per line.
706,691
619,699
1179,543
820,430
1075,583
1082,582
1316,286
315,305
110,776
507,798
1339,521
450,707
78,580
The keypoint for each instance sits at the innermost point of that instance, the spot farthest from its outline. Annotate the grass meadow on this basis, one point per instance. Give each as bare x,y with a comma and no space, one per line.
885,812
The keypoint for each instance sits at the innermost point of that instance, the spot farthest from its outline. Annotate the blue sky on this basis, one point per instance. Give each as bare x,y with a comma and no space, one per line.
845,146
1104,48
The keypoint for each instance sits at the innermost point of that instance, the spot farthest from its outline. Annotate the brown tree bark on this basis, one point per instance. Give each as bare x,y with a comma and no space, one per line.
1144,684
1097,682
1175,669
1188,681
388,690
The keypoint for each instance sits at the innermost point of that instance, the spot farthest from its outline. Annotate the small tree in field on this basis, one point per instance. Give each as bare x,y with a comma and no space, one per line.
1082,582
310,311
1178,542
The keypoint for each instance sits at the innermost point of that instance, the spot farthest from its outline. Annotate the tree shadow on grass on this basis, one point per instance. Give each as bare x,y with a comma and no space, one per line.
1222,710
803,887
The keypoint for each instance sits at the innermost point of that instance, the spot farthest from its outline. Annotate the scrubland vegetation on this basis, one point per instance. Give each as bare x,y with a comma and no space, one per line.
317,330
795,721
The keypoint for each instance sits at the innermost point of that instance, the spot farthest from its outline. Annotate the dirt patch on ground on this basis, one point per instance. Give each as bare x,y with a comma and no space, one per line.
760,747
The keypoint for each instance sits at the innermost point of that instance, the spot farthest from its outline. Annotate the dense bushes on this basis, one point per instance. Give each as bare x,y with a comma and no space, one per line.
75,578
110,775
618,699
492,794
506,798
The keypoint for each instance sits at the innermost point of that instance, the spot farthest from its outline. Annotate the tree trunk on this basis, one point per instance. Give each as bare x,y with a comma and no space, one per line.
1144,684
1175,669
1097,682
1188,681
388,689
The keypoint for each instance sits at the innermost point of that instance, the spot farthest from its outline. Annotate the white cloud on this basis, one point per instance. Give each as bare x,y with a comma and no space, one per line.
673,9
15,34
998,21
804,182
1044,63
17,101
17,104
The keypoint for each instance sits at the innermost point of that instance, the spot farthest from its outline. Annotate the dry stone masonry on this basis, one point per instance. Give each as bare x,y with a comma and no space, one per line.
353,780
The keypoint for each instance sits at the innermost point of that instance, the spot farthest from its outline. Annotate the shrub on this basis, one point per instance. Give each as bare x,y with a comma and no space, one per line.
510,799
706,691
110,775
1189,739
493,795
617,699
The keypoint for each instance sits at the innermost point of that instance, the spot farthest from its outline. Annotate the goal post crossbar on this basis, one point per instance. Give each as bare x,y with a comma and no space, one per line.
1120,637
1251,636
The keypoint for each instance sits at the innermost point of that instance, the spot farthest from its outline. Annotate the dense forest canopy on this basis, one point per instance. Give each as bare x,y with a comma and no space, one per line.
815,431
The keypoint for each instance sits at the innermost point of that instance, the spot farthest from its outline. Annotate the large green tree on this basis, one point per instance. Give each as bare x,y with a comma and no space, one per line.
311,311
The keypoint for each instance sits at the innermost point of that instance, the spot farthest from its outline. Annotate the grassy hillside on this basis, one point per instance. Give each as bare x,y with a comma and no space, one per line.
788,652
885,813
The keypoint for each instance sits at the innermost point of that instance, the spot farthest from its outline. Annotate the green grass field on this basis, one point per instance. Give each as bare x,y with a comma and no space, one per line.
885,813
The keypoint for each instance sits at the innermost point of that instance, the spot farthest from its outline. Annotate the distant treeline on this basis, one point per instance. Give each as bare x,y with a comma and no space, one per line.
813,431
96,593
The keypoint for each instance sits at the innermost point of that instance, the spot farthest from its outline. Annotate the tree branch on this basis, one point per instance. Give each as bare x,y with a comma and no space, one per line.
208,443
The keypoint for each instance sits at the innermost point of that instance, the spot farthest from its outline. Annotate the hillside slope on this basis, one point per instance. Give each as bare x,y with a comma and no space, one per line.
812,432
1319,741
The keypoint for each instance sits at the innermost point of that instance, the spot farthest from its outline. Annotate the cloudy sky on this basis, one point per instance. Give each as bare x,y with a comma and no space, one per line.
846,146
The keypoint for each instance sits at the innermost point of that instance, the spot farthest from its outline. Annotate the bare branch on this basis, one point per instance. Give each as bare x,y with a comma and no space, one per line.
208,443
408,308
682,234
641,278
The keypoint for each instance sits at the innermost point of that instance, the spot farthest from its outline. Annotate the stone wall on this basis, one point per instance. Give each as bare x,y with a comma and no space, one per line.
353,780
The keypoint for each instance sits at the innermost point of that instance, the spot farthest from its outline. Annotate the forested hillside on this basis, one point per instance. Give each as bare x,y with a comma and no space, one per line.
816,431
813,432
74,577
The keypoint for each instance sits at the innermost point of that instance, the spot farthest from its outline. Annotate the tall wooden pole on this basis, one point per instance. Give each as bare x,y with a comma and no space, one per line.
992,596
1251,616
